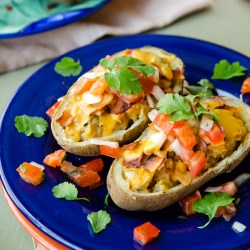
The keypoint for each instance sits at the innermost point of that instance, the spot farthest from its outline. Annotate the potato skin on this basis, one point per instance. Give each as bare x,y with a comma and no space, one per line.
128,200
85,148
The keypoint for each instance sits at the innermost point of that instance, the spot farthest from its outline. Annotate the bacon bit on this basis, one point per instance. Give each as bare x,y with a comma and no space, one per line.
120,107
106,99
130,146
153,162
134,163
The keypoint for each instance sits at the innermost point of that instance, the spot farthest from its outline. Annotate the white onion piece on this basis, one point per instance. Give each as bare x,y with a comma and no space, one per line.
158,138
152,114
150,101
176,147
156,76
212,189
91,99
206,123
238,227
157,92
92,74
112,144
37,165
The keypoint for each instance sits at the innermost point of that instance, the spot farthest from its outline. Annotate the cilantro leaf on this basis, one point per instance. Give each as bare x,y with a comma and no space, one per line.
66,190
182,108
225,70
67,67
206,87
31,125
121,78
209,204
99,220
176,106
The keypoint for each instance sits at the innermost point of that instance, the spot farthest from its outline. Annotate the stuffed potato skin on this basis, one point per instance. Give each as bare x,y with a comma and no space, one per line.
134,201
84,146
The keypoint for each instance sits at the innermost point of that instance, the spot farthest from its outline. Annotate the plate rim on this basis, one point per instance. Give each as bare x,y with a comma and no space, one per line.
75,50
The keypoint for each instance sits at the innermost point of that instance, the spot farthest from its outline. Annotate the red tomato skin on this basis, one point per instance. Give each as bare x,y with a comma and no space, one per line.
197,163
109,151
245,88
85,178
145,233
185,136
215,136
50,112
94,165
187,202
54,159
32,174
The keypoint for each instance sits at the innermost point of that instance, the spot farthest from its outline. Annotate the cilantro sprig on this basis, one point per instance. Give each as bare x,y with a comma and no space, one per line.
209,204
182,108
121,78
205,87
224,70
99,220
68,66
31,125
67,191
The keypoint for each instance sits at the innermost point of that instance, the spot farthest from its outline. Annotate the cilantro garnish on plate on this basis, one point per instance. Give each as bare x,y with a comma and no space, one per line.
68,66
67,191
121,78
31,125
209,204
225,70
99,220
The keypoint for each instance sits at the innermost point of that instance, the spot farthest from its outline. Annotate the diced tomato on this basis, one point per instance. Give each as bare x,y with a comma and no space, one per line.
55,159
186,154
146,233
147,85
84,178
187,202
67,167
83,84
110,151
230,188
185,135
96,185
197,163
161,121
66,119
245,88
94,165
227,212
50,112
215,136
31,173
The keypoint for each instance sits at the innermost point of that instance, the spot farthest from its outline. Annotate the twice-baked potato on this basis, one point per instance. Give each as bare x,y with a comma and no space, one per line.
109,105
180,151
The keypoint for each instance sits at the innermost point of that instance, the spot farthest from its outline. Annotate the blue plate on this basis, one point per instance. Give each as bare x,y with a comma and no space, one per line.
66,221
28,17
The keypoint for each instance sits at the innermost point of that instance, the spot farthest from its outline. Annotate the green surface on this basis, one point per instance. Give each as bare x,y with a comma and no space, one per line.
15,15
226,23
